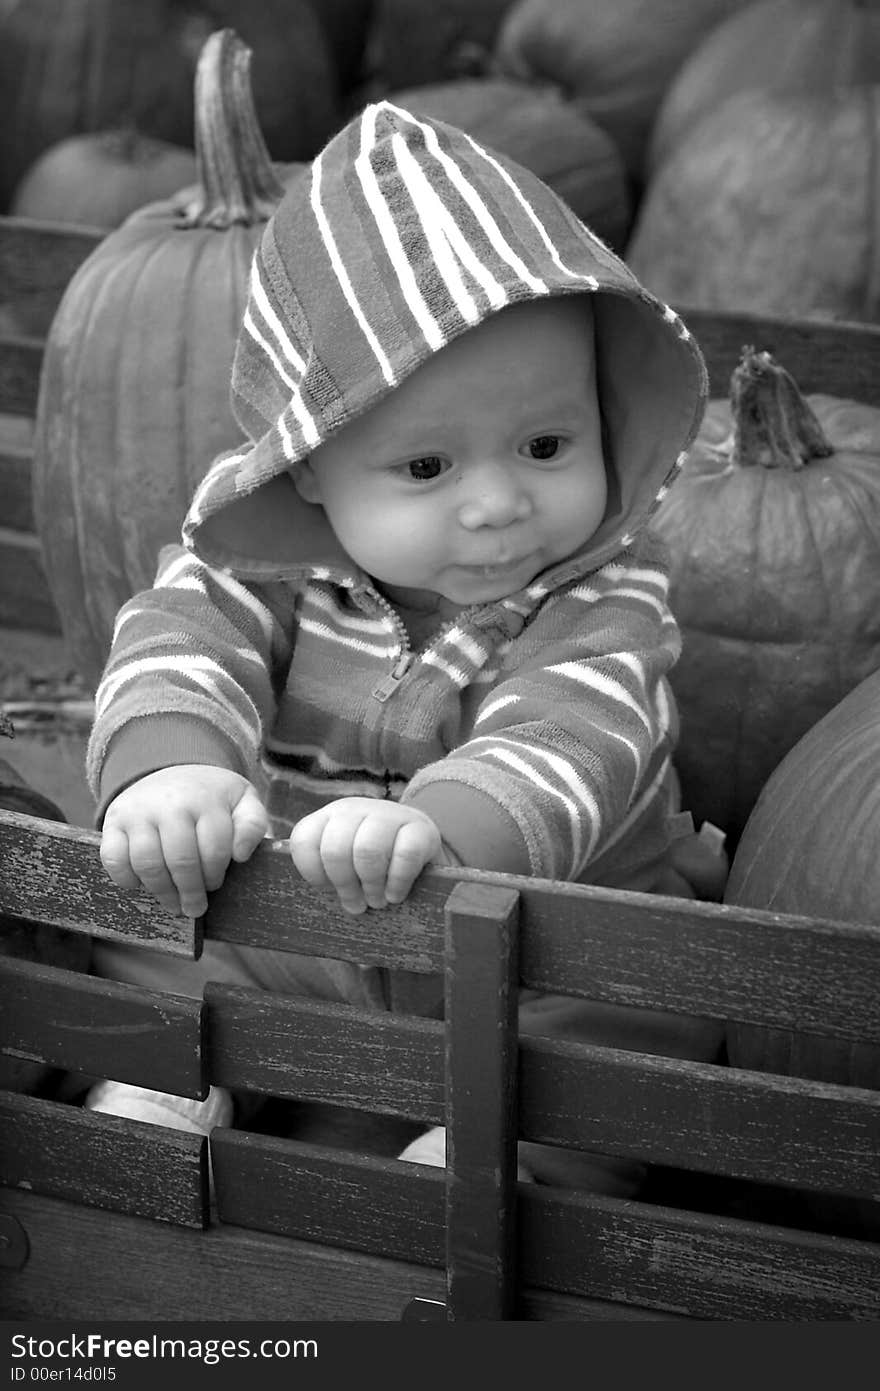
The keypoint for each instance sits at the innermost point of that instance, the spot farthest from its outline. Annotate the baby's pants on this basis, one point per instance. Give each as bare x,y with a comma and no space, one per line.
284,973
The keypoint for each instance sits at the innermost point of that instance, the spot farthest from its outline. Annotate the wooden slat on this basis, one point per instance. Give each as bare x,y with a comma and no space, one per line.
265,904
661,1110
20,363
652,1257
52,873
481,1125
699,1116
103,1161
548,1307
609,945
363,1202
16,492
25,598
837,358
290,1047
701,958
86,1265
102,1028
706,1267
16,473
37,259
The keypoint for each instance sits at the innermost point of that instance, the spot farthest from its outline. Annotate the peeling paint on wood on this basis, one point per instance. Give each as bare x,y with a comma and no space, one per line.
52,873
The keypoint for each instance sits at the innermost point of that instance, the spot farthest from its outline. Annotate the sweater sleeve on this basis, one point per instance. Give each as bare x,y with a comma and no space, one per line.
190,677
574,741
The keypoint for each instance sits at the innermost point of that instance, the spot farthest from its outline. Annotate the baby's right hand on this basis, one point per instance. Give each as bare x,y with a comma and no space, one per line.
175,831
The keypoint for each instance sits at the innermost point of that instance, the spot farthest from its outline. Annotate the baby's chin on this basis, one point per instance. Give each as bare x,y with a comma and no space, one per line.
488,584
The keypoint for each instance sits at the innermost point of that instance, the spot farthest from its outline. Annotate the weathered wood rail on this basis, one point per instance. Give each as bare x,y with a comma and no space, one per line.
766,1201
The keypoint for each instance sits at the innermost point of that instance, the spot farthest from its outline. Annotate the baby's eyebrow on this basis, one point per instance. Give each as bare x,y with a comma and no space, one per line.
414,448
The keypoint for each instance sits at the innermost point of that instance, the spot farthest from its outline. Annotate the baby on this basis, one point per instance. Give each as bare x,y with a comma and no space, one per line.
418,617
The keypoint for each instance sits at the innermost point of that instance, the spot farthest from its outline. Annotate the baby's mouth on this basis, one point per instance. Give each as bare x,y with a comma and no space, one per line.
497,568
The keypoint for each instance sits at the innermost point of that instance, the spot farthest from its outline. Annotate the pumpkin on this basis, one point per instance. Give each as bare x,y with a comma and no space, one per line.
345,24
614,61
767,206
812,847
780,45
773,528
418,42
134,391
539,130
73,66
97,180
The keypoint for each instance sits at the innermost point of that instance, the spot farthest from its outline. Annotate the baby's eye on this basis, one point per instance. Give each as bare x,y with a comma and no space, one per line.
427,468
543,446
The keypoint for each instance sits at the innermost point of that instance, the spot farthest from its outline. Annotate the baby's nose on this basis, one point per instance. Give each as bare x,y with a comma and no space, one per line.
495,499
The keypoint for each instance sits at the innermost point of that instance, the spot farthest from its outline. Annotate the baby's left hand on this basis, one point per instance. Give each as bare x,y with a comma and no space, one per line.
370,852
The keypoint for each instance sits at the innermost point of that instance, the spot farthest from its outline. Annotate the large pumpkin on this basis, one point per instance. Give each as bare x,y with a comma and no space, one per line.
768,205
98,180
777,45
134,392
812,847
417,42
773,529
72,66
612,58
535,127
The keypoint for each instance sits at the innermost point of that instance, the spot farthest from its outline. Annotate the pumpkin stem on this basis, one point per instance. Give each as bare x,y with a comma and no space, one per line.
237,179
772,423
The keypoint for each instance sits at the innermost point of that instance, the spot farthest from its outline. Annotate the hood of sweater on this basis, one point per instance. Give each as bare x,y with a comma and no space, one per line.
402,234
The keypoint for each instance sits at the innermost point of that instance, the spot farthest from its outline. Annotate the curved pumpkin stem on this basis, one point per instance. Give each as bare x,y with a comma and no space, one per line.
772,423
237,179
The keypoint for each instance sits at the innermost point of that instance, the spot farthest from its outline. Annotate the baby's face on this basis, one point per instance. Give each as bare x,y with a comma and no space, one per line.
484,467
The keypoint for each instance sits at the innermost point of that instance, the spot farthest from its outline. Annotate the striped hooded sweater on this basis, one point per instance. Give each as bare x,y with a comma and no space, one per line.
537,730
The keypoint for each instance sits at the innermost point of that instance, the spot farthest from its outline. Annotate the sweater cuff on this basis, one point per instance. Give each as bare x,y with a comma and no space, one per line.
474,826
163,741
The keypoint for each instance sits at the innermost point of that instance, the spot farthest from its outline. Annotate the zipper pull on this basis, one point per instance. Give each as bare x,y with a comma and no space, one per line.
386,688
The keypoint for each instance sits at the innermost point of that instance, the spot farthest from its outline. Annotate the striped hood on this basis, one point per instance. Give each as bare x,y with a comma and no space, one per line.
402,234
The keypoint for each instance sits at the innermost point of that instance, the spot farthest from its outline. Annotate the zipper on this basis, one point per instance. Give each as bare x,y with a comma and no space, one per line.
402,663
386,688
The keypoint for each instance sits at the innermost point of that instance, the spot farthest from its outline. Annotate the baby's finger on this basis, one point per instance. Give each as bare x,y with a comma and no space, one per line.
371,855
337,840
214,835
115,859
414,846
180,848
305,849
148,862
250,823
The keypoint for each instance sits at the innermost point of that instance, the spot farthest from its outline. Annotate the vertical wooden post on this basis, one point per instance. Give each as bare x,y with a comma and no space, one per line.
481,1084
